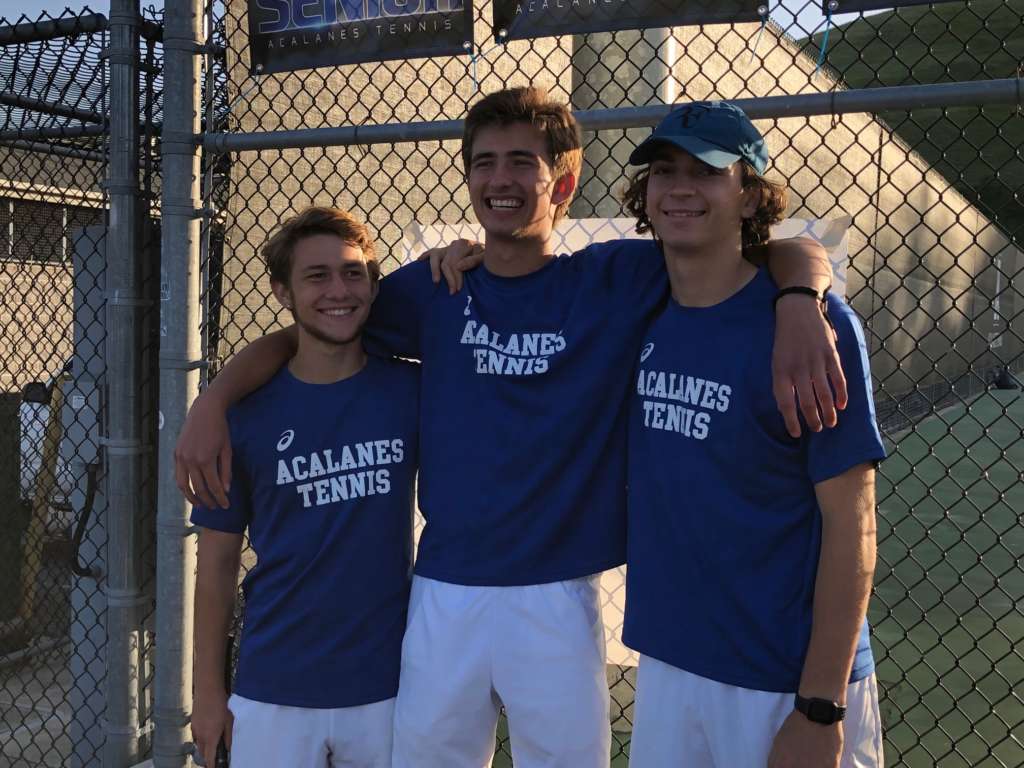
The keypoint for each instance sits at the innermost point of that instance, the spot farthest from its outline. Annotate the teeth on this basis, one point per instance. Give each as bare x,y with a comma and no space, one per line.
685,214
337,312
505,203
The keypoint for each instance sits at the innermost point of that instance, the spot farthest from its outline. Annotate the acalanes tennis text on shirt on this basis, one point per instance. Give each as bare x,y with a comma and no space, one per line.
683,404
513,354
339,474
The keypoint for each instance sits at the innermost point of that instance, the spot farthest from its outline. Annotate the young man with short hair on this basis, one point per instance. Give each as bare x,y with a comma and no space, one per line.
324,461
523,471
751,552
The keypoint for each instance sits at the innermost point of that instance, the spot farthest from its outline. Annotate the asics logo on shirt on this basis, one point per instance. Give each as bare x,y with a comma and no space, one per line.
648,348
285,440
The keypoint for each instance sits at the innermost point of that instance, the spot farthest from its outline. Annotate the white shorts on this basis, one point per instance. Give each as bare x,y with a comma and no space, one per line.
272,736
538,650
681,719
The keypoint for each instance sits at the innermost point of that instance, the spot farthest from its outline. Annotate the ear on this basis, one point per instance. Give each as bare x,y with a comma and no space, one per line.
565,185
283,294
374,290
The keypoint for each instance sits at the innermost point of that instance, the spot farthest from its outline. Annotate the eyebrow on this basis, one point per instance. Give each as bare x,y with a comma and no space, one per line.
511,153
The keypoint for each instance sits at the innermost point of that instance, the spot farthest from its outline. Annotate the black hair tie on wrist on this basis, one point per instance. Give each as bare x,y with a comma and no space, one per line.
805,290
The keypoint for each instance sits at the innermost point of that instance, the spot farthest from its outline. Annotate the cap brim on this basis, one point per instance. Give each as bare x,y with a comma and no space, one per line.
702,150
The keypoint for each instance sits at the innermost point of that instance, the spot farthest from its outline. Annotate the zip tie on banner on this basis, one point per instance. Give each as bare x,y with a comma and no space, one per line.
476,53
245,94
832,5
762,11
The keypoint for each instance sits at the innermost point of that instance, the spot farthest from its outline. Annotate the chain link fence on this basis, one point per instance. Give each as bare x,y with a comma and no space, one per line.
55,654
936,226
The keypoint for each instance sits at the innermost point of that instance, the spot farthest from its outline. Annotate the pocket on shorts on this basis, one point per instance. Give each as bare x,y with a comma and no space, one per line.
586,593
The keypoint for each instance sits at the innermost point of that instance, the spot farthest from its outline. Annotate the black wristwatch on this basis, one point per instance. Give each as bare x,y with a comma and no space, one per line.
821,711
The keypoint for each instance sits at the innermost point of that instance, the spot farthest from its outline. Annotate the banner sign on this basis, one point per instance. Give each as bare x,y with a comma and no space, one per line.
519,19
285,35
856,6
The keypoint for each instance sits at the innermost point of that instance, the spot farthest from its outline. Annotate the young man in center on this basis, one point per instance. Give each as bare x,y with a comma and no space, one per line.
526,373
751,552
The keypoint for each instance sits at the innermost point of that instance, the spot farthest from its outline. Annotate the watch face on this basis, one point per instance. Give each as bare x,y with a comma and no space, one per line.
821,712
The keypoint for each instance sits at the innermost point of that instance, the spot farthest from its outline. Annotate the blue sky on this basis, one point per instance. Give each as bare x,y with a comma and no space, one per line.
807,13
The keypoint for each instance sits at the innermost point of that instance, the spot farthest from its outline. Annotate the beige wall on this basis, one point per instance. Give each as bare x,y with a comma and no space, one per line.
35,322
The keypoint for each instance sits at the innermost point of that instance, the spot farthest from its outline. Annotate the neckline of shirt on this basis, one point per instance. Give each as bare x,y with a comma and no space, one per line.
518,282
754,284
294,380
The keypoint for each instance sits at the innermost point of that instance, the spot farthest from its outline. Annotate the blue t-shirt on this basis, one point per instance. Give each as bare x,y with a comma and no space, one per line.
323,480
525,383
724,527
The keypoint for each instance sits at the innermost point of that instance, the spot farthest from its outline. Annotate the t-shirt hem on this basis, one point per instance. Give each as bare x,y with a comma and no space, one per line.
868,454
858,673
863,670
370,697
208,520
523,580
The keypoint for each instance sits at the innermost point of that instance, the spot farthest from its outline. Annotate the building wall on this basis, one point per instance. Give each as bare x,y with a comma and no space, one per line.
921,258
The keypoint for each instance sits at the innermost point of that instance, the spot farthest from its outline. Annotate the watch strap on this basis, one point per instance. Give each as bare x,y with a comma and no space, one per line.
820,711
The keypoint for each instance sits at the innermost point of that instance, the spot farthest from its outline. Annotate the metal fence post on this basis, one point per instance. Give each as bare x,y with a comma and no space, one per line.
179,356
124,444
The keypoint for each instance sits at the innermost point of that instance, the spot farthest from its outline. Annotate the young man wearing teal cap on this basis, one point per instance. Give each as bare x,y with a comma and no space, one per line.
748,585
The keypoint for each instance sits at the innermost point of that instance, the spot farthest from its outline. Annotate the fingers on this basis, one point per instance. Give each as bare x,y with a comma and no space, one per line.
224,462
823,392
786,403
436,255
808,403
838,379
473,259
452,275
181,480
206,481
202,754
229,726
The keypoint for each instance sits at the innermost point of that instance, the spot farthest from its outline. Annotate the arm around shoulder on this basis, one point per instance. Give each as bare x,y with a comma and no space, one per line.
202,455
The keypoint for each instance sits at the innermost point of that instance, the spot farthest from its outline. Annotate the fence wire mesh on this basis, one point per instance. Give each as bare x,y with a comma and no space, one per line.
54,216
934,198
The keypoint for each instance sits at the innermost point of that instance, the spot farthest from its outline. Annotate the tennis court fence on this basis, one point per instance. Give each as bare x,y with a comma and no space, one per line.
142,165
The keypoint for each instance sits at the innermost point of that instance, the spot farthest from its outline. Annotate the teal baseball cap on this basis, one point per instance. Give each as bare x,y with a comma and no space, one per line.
715,132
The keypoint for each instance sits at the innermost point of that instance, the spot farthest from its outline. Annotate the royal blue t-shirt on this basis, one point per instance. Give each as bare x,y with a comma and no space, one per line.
525,383
323,480
724,527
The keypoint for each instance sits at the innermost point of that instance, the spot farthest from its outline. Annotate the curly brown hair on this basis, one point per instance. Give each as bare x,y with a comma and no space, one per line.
530,105
774,198
316,220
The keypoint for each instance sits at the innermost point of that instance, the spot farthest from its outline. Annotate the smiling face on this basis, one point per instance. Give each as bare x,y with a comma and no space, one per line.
694,207
511,182
330,289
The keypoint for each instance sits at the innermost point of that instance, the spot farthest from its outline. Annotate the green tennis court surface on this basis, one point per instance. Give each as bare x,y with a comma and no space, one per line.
948,632
946,616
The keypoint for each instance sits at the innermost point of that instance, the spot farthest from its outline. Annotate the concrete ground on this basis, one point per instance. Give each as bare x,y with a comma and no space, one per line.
34,715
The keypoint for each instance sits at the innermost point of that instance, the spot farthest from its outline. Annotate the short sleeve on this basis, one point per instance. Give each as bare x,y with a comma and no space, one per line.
396,317
236,517
855,439
635,268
